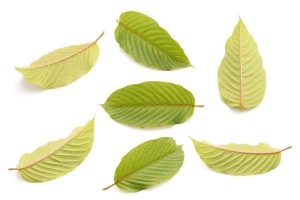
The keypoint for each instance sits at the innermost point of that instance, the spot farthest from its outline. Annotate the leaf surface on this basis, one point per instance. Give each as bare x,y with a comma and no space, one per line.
57,158
62,66
148,164
142,38
150,104
241,76
239,159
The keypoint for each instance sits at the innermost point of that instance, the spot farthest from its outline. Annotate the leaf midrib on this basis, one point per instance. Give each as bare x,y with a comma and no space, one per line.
242,152
241,72
62,60
143,167
149,41
147,165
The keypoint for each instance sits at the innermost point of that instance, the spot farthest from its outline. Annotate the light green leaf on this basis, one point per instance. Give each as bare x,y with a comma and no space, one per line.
239,159
57,158
241,76
62,66
148,164
150,104
142,38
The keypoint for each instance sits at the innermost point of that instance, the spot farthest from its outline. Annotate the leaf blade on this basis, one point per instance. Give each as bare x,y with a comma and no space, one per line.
239,159
57,158
142,38
150,104
148,164
241,76
62,66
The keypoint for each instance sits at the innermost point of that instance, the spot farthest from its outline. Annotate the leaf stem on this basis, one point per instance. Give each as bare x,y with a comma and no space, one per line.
106,188
100,36
10,169
199,106
286,149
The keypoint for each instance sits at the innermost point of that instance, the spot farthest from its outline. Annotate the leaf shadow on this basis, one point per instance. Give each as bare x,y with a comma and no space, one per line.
146,129
237,111
25,86
19,177
144,190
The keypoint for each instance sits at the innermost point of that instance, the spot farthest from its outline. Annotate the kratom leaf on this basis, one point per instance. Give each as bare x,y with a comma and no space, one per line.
57,158
150,104
239,159
62,66
148,164
241,76
142,38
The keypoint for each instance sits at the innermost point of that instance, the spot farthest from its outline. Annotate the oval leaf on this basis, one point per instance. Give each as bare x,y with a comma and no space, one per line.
62,66
241,76
57,158
148,164
150,104
142,38
239,159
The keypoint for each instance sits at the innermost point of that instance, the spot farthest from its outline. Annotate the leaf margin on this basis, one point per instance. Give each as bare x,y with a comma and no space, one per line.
186,63
75,132
21,70
178,149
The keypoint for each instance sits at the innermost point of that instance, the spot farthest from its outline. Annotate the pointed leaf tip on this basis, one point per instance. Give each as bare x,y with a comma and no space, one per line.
240,19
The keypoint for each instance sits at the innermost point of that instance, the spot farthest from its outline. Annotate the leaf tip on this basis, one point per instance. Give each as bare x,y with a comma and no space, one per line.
241,22
18,69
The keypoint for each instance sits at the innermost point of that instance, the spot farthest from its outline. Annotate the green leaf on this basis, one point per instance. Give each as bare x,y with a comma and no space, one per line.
239,159
57,158
142,38
241,76
62,66
150,104
148,164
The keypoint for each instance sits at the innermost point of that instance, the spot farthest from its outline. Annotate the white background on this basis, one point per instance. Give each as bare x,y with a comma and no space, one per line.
30,117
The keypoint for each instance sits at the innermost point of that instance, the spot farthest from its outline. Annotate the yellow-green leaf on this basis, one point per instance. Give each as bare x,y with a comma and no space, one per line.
57,158
239,159
148,164
62,66
141,37
241,76
150,104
